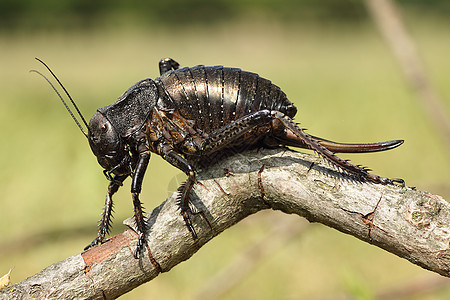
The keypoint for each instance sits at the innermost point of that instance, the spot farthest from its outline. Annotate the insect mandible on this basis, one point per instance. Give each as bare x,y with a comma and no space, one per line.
190,115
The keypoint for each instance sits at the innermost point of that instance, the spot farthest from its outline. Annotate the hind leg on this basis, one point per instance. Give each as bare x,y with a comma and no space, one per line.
316,145
283,127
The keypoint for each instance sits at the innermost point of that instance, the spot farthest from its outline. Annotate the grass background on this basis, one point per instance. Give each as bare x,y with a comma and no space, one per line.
343,79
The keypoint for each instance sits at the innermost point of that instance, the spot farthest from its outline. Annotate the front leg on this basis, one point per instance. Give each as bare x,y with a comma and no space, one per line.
104,226
136,187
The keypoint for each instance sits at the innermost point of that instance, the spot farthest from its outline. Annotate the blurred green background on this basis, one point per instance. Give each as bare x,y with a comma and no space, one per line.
329,58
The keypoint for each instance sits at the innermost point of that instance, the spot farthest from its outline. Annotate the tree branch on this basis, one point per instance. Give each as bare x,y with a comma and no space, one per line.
409,223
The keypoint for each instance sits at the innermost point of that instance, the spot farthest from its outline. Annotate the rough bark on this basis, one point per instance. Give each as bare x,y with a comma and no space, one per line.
412,224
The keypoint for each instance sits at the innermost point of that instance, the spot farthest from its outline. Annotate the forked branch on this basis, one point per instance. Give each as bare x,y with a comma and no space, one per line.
412,224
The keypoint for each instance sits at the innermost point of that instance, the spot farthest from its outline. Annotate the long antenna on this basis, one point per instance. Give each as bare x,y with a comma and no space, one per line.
61,98
67,93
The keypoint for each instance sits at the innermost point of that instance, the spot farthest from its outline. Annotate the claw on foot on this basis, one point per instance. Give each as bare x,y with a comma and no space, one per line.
140,245
188,222
94,243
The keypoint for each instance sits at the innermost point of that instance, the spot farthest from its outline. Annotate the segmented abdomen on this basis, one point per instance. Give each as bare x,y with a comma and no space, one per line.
216,96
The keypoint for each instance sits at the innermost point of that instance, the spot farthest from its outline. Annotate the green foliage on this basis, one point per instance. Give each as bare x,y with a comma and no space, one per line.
54,14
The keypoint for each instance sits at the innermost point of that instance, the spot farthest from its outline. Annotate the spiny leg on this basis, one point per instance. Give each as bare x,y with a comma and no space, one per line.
228,134
136,187
233,131
359,172
185,189
140,224
183,200
104,225
167,64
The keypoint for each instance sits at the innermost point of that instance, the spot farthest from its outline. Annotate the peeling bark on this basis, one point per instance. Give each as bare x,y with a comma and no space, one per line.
412,224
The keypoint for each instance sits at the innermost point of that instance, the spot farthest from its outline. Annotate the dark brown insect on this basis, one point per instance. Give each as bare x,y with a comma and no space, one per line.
188,116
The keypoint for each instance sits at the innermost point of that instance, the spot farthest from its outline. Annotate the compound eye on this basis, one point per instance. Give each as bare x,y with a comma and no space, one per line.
106,129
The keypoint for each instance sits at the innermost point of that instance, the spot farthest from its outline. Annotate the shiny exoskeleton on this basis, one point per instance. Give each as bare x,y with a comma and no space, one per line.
187,116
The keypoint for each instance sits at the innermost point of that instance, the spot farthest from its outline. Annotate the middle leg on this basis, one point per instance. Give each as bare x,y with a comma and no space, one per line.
185,189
